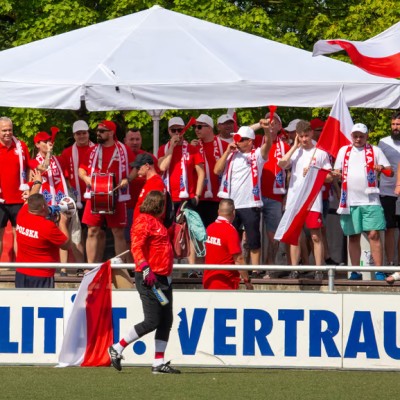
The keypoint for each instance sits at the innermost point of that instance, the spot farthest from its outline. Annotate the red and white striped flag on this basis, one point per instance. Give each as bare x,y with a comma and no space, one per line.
293,219
89,331
337,129
379,55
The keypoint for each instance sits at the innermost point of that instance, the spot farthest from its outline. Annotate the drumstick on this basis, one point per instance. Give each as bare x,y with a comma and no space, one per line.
116,187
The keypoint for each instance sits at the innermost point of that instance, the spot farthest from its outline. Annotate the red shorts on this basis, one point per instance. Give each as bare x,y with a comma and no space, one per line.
314,220
116,220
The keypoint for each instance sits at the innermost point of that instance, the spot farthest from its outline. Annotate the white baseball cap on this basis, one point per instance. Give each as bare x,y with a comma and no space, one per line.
224,118
292,125
175,121
360,128
245,132
80,126
205,119
275,116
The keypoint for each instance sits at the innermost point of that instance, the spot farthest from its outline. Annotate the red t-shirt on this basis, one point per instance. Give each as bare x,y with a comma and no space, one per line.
154,183
38,240
211,160
10,172
68,165
223,242
269,171
106,165
136,186
175,170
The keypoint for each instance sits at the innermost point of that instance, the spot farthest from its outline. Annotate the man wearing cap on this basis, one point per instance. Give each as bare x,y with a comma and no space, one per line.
181,165
389,190
14,158
291,131
299,158
145,169
70,159
54,185
241,166
225,126
133,139
360,207
211,149
273,188
109,156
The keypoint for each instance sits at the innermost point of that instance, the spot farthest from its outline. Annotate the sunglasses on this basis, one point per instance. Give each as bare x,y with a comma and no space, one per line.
243,139
102,130
176,130
200,127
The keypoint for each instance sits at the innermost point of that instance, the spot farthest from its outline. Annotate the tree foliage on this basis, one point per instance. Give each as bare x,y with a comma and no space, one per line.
298,23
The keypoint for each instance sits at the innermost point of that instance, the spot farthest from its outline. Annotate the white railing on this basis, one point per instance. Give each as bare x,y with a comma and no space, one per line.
329,269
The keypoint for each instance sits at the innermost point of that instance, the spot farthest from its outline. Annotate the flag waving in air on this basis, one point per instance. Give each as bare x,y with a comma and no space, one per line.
379,55
337,129
89,331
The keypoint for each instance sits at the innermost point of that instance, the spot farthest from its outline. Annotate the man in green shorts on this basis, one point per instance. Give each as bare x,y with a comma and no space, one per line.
360,209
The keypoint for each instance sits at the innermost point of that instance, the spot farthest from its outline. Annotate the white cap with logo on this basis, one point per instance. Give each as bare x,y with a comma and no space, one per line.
79,126
245,132
360,128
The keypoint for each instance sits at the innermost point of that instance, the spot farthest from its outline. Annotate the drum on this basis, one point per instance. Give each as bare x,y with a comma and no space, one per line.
103,195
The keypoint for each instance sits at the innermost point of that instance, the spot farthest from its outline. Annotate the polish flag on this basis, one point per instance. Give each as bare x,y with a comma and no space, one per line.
337,129
289,229
89,331
379,55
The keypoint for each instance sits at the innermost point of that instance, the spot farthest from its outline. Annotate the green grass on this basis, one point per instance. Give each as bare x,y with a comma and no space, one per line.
42,383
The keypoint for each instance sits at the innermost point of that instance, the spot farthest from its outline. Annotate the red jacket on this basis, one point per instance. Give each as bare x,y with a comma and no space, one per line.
150,242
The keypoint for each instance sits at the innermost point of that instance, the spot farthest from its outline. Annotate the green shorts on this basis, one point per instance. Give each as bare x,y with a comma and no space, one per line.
363,219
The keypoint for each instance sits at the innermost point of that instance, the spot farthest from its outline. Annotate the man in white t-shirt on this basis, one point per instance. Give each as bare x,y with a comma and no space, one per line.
360,208
390,145
241,167
299,158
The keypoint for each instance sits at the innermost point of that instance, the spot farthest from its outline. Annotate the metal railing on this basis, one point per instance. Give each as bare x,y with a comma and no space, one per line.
329,269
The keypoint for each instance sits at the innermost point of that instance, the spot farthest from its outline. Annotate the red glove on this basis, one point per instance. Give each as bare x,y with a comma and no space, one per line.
149,278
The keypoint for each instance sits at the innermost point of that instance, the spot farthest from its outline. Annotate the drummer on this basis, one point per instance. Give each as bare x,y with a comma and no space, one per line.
108,156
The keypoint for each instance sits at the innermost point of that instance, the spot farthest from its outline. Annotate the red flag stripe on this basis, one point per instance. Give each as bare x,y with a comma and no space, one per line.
99,318
388,66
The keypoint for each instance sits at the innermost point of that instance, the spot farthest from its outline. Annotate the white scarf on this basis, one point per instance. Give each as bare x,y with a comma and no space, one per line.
54,177
96,162
218,151
75,166
183,183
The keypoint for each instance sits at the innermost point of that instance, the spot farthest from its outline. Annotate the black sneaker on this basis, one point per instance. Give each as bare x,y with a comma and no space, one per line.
115,358
165,369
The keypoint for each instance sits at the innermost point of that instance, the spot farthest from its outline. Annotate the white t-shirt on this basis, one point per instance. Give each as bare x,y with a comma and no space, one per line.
391,149
301,159
242,179
357,175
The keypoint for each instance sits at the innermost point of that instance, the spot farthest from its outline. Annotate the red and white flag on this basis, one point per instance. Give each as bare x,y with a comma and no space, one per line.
232,111
293,219
89,331
379,55
337,129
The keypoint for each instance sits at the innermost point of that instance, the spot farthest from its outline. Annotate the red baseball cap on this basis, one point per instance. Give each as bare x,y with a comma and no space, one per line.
41,137
108,125
317,123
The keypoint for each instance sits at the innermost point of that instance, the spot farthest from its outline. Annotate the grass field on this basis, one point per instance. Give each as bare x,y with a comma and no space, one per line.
43,383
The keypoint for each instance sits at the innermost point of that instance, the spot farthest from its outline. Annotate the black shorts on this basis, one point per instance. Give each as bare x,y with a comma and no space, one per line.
389,209
8,212
28,281
250,218
208,211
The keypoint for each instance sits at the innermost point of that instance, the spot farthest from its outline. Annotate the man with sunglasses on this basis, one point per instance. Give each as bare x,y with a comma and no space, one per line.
241,167
211,149
181,165
108,156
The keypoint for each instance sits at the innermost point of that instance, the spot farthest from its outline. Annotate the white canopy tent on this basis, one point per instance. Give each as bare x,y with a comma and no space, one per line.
158,59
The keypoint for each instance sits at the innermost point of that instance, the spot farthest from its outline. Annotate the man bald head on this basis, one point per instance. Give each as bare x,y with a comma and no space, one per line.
226,209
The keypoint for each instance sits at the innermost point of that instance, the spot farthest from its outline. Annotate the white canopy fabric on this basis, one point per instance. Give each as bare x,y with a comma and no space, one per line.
159,59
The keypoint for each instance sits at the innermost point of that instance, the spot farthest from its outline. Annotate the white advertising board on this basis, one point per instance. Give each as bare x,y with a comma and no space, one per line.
213,328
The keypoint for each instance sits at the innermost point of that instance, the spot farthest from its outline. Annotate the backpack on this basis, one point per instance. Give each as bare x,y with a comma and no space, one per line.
180,235
197,231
